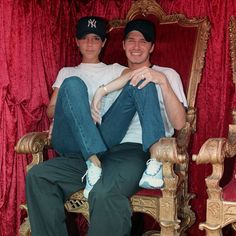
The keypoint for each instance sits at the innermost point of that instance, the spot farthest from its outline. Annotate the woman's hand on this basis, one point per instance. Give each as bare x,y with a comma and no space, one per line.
96,104
50,131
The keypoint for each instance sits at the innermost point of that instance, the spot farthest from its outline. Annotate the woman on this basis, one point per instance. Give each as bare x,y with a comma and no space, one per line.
79,140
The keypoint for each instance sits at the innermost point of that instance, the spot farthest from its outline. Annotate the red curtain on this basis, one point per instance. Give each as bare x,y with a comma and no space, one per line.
36,40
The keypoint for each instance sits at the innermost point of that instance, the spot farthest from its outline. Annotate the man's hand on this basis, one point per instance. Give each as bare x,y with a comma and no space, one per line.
146,75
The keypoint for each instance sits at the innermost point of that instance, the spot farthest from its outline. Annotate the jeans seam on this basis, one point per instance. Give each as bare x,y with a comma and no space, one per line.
77,123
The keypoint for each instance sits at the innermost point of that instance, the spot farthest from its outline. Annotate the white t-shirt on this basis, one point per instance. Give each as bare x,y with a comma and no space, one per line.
93,75
134,133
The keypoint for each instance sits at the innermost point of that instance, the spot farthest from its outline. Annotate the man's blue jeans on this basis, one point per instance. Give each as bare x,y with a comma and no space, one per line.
75,132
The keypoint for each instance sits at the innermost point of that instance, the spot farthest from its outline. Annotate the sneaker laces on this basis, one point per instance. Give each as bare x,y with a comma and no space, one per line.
153,166
82,179
93,174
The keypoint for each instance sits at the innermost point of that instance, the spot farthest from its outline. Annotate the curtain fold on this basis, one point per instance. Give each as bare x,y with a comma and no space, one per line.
37,39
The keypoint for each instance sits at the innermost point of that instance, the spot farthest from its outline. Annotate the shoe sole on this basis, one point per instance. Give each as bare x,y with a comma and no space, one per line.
158,184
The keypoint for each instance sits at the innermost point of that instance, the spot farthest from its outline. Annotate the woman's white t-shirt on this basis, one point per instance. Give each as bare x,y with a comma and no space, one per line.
93,75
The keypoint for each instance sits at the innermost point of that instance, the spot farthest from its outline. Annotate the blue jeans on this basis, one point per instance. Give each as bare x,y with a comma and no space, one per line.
75,132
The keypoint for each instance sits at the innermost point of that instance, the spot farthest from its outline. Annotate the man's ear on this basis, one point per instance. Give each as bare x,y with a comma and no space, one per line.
104,42
152,48
123,43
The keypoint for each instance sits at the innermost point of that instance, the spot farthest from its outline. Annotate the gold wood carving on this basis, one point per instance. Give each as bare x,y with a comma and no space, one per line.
25,226
232,35
148,205
144,8
198,62
33,143
172,210
219,212
78,204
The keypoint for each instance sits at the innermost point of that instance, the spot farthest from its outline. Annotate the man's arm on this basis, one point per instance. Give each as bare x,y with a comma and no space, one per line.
174,108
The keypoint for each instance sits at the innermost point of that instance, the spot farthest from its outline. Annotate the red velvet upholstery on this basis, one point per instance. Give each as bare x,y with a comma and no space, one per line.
229,191
149,192
113,51
174,48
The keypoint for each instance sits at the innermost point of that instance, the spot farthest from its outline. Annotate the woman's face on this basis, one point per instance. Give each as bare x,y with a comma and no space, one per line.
90,47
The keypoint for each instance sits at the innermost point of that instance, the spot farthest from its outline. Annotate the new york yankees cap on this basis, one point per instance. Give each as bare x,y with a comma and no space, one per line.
91,25
145,27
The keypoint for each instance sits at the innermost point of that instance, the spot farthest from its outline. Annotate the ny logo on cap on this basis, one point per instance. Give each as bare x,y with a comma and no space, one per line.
92,23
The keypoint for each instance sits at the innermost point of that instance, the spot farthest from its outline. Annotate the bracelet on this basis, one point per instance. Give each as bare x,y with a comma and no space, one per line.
104,87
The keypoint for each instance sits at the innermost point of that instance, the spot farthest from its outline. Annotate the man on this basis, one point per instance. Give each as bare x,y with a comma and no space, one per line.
51,183
110,212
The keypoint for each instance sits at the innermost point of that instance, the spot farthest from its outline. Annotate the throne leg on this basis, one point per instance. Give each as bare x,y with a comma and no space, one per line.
25,228
214,232
151,233
187,215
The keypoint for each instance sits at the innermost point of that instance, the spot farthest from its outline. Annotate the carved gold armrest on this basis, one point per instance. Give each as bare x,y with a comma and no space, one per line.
173,149
214,151
166,150
33,143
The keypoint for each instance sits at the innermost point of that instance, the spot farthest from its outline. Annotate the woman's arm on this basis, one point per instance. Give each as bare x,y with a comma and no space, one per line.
117,83
103,90
52,103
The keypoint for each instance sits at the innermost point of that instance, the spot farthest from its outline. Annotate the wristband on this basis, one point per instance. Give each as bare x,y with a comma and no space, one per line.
104,88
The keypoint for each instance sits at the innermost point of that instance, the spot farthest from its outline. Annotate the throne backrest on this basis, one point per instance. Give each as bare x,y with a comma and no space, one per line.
181,44
232,127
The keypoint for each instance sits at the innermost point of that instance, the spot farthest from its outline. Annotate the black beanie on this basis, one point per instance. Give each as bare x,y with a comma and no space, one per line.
145,27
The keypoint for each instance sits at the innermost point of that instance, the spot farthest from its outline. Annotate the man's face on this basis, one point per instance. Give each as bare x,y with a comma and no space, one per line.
137,49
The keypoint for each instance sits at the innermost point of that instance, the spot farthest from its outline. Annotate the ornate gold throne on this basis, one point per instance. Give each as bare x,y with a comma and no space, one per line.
221,202
181,45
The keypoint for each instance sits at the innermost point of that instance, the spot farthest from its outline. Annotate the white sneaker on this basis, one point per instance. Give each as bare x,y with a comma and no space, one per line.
152,177
93,174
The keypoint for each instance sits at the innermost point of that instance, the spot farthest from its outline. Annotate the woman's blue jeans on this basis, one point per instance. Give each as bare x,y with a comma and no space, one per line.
75,132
